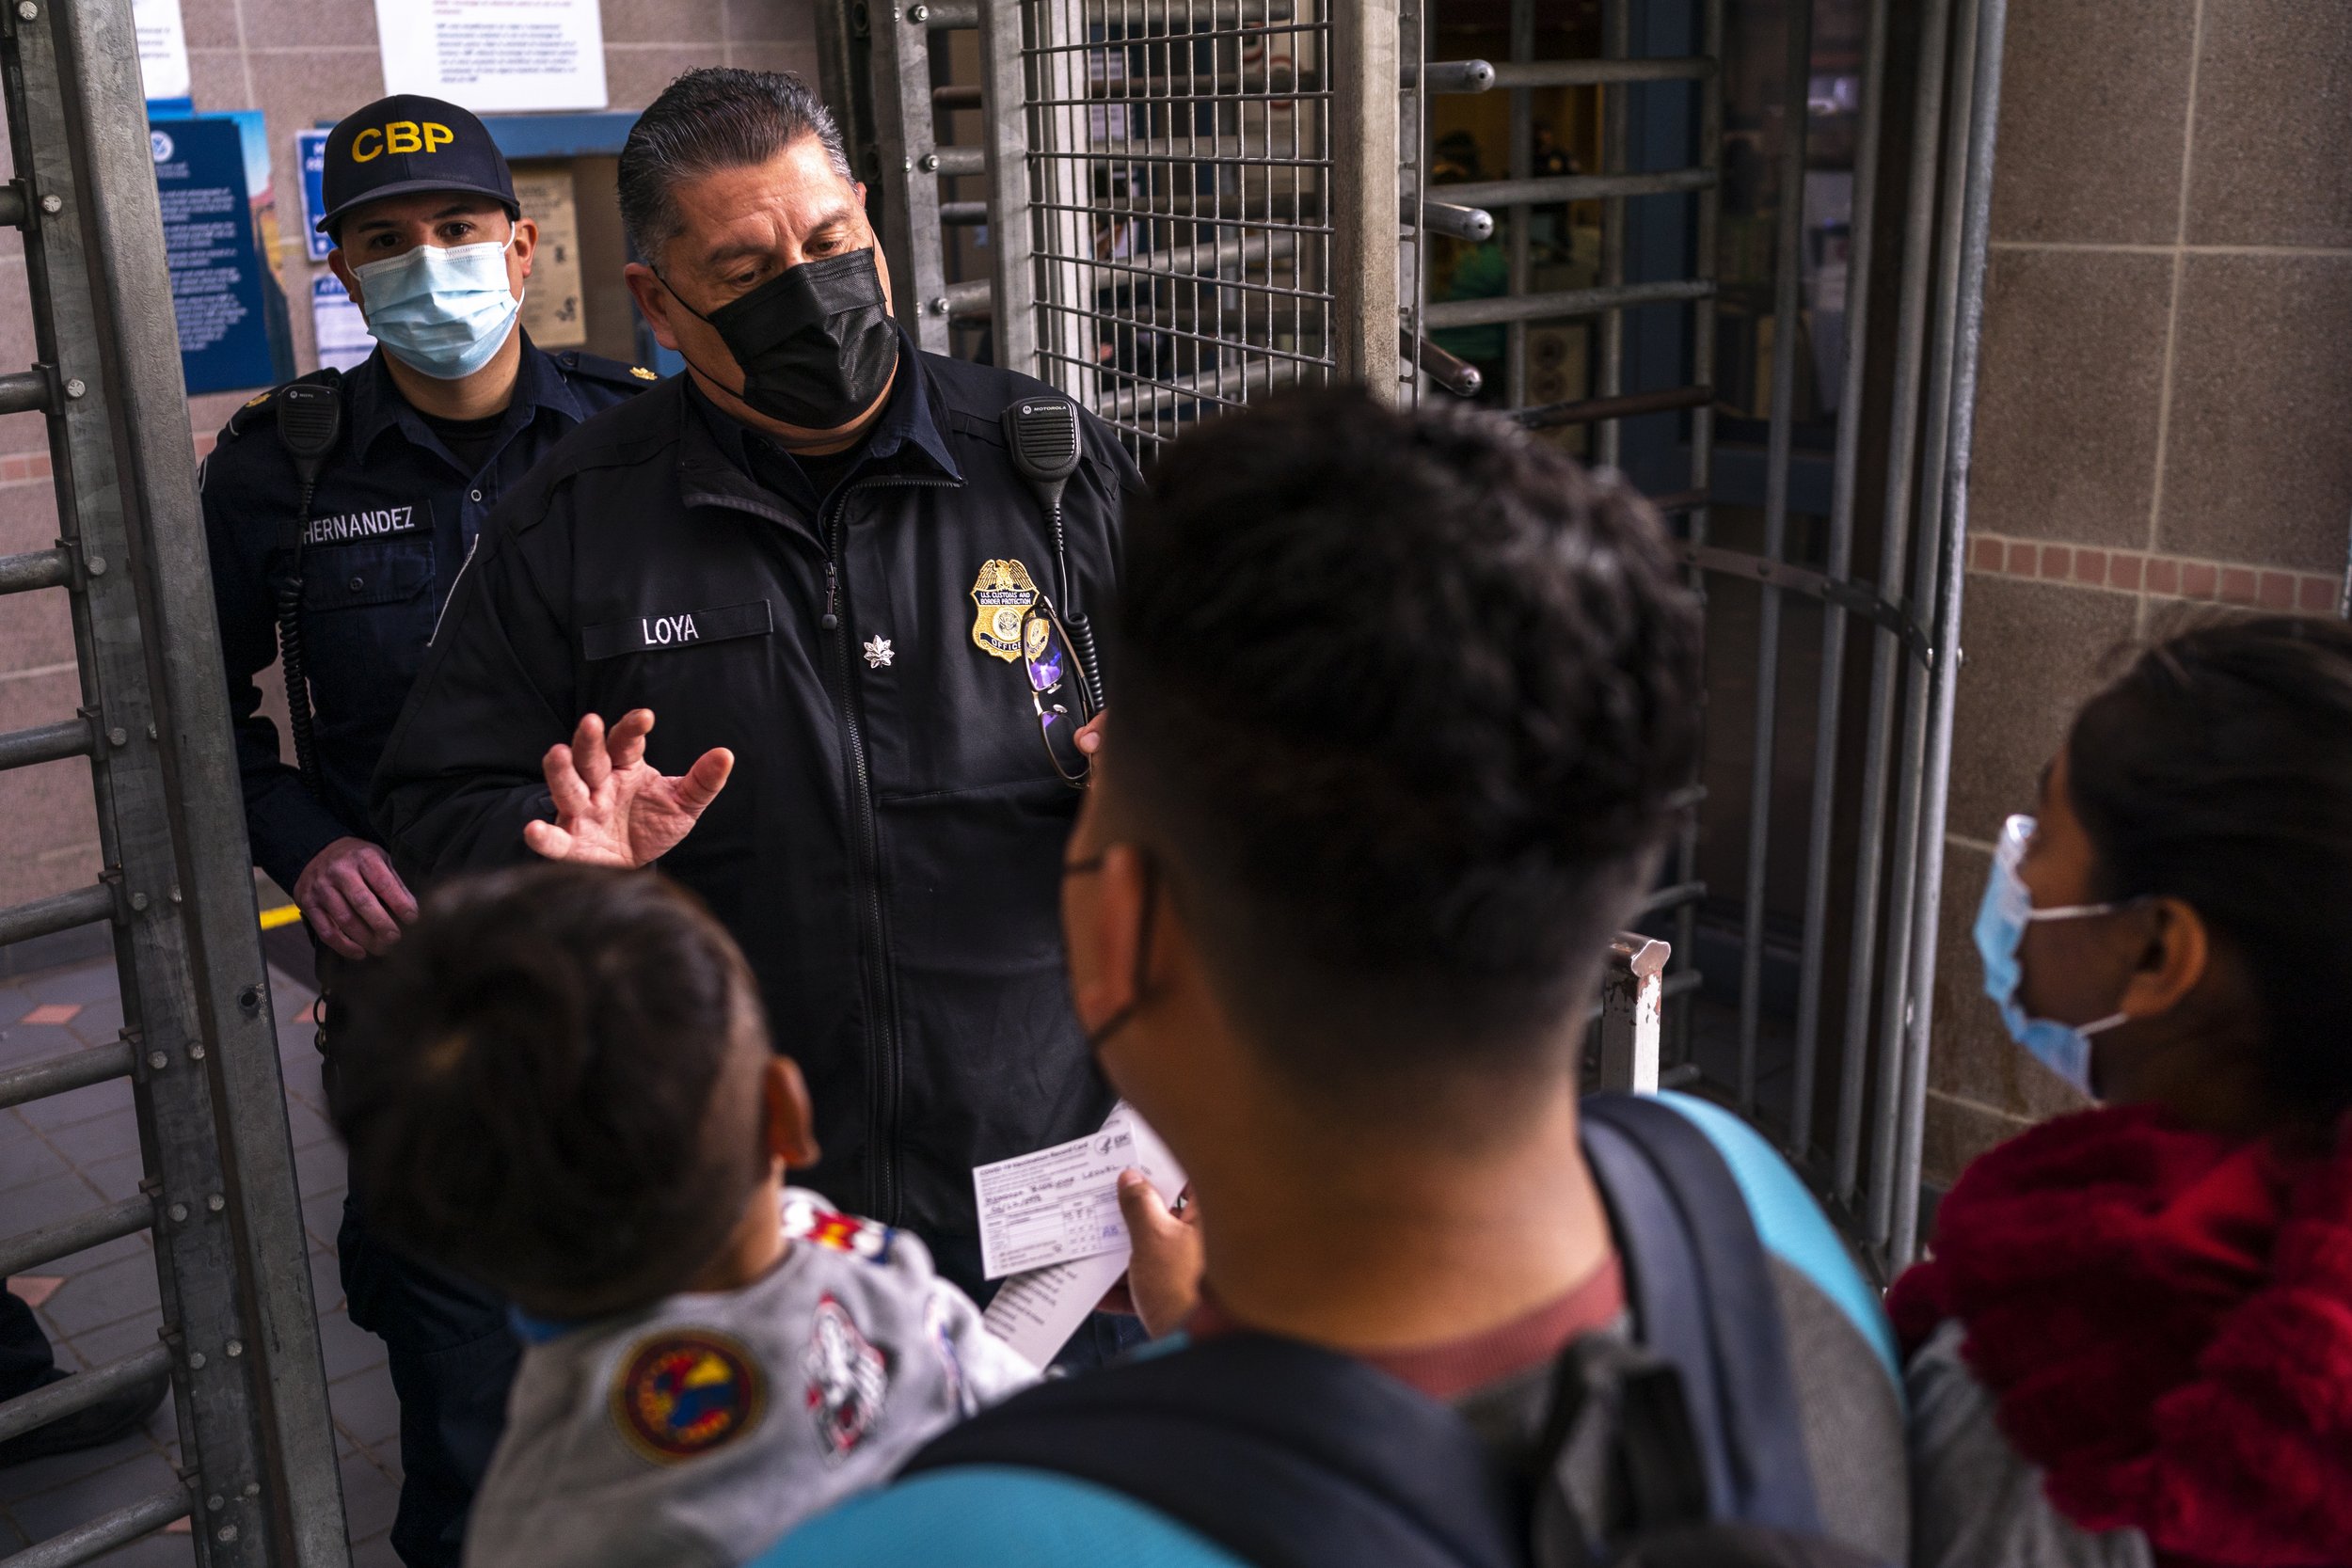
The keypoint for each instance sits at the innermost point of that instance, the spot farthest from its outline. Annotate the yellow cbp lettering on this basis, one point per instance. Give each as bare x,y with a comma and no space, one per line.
402,135
362,149
438,135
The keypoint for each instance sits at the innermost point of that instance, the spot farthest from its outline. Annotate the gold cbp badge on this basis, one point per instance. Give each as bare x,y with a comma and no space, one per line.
1005,597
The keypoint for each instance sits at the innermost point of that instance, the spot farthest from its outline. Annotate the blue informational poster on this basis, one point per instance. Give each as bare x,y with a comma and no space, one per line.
311,152
215,240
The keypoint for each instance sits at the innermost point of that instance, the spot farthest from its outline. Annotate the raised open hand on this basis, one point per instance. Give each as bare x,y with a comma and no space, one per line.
611,806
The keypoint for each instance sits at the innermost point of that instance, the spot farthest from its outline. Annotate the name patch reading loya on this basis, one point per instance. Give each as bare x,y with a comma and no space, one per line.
380,522
656,631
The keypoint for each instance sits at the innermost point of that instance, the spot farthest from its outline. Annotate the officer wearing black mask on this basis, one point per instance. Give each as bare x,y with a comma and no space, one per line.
813,556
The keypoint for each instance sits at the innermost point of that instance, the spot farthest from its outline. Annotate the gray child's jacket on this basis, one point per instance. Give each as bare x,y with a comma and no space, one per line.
695,1432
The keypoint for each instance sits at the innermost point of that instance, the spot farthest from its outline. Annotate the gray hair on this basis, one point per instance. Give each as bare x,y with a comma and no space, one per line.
710,120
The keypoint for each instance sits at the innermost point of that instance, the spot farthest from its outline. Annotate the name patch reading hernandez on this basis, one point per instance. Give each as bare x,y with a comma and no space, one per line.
656,631
344,527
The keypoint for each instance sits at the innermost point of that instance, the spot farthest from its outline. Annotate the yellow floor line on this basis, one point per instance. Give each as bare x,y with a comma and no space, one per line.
284,914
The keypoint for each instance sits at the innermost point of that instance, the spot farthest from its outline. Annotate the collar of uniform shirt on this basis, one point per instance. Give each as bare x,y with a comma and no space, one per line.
906,420
377,406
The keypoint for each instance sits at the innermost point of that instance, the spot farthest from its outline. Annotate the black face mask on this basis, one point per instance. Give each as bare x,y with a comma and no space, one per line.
815,342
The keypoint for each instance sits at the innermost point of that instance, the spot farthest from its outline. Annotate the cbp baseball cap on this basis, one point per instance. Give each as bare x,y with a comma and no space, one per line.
408,142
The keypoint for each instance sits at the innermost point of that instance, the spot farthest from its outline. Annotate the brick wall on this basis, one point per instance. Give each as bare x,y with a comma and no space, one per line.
2161,411
301,61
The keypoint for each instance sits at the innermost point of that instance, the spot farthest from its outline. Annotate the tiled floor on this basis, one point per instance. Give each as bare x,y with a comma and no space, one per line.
68,1154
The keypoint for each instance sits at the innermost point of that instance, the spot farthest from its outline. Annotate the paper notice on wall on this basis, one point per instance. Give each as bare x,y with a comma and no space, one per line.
552,313
343,338
163,47
1037,1312
495,55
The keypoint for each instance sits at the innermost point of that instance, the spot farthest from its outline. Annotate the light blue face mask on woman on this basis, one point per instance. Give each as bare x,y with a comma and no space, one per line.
443,310
2001,922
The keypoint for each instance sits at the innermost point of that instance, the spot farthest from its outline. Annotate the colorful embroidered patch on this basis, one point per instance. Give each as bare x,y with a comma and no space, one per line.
806,1220
684,1394
847,1378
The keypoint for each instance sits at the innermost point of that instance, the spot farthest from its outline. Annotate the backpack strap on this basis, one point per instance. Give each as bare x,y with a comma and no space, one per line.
1286,1455
1704,1302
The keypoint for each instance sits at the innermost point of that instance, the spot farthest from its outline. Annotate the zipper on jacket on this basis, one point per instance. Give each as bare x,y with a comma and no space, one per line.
884,1069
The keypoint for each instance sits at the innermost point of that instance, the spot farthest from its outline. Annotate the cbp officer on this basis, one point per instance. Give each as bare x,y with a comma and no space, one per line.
338,509
813,555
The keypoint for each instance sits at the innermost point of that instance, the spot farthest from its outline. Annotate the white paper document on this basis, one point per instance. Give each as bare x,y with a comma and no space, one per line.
1054,1206
1060,1206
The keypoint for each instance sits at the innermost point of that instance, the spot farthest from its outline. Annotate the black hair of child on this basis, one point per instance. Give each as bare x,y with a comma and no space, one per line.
544,1087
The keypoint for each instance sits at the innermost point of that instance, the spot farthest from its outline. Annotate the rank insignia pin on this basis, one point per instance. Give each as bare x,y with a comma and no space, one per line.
879,651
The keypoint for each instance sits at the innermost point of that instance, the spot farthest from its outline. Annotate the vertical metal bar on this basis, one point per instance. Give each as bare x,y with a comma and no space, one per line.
1413,152
2343,594
841,52
1975,225
1616,27
1885,653
1057,141
1860,255
1901,1003
234,1275
1710,156
1005,112
1362,201
1788,289
903,143
1522,165
1634,987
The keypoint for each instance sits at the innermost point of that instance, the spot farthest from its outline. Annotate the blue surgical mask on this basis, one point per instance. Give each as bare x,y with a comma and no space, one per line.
2001,922
443,310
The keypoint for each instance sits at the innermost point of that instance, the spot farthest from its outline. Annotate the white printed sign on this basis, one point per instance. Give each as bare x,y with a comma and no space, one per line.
495,55
342,336
163,47
1037,1311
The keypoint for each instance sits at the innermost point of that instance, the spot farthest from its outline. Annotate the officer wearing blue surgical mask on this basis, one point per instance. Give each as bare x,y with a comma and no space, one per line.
338,509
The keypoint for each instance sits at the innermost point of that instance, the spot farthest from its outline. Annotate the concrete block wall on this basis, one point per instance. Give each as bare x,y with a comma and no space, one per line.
300,61
2161,415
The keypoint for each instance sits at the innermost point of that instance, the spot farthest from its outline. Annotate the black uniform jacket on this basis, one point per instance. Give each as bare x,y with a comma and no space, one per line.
889,849
390,521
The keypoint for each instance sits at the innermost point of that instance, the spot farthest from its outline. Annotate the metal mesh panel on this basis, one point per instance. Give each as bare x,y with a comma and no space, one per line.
1181,167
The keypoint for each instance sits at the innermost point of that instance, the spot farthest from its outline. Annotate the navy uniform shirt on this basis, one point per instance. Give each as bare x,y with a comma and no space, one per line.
392,519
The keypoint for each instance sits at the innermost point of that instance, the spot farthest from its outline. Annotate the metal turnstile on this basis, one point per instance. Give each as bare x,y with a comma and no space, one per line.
1178,211
198,1042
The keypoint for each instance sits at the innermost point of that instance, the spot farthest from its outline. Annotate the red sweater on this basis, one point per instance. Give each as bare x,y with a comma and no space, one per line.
2165,1319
